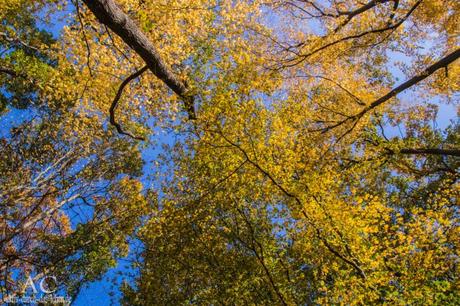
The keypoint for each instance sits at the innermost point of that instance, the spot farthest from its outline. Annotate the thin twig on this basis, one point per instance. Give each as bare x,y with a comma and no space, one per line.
88,49
17,40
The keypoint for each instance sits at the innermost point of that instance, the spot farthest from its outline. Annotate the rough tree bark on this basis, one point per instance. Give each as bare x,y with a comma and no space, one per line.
111,15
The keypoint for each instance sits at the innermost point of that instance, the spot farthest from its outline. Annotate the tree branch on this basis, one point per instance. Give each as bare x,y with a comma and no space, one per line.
351,262
18,41
297,60
88,49
444,62
432,151
8,71
110,14
357,12
114,105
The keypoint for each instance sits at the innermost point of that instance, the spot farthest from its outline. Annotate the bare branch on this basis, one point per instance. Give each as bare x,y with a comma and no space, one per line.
114,105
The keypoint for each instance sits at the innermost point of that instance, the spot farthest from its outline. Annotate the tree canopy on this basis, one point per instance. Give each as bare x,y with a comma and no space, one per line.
312,156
